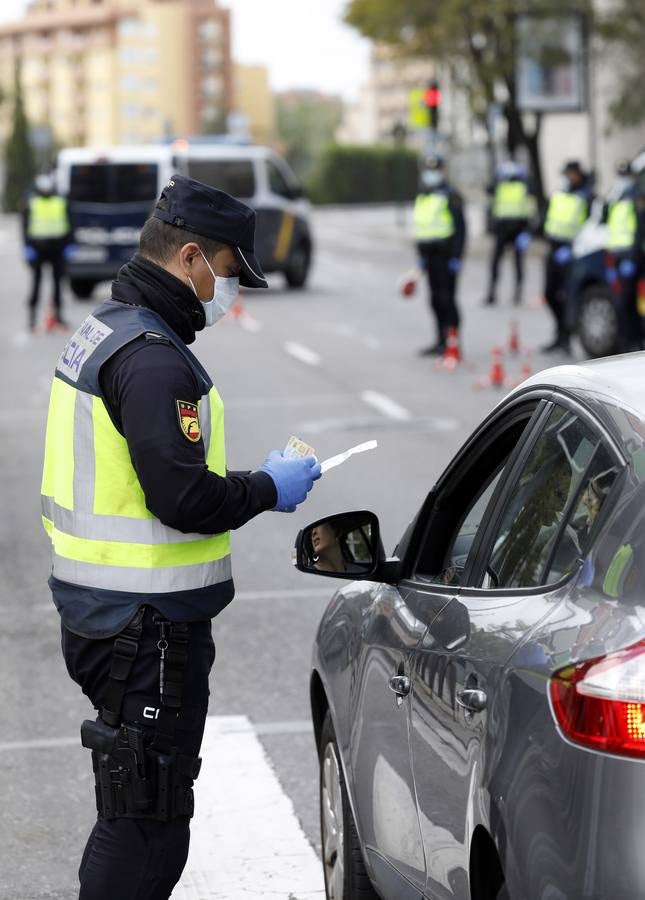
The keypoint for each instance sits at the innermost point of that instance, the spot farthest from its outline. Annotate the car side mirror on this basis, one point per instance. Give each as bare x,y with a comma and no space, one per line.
346,545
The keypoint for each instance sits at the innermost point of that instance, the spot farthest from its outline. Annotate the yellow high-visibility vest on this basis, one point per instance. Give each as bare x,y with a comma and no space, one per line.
47,218
512,200
433,220
565,216
94,510
621,225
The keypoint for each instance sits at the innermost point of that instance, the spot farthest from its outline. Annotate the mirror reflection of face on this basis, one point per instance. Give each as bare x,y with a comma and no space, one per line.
328,556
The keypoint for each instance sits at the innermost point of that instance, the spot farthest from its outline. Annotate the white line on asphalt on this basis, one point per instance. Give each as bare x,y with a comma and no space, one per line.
245,838
309,400
386,405
248,323
302,353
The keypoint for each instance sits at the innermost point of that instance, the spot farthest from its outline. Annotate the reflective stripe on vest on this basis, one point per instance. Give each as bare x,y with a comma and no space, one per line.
433,220
621,225
94,510
511,200
566,215
47,218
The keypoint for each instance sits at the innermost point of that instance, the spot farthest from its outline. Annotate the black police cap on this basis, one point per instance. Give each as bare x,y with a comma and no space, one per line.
197,207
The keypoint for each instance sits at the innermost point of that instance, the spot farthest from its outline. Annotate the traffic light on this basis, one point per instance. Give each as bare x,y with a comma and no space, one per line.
432,101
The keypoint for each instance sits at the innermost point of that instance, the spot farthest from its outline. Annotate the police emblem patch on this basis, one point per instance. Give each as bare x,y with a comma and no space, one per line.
189,420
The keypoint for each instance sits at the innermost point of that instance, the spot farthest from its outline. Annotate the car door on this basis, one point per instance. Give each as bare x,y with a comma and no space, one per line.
530,542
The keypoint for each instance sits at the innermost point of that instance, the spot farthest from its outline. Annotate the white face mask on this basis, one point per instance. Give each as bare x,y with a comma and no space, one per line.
225,290
431,178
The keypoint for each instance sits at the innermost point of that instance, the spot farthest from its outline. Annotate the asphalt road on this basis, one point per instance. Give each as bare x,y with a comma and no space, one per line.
336,365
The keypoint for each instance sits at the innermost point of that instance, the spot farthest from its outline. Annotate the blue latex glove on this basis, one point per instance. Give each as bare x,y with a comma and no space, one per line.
454,265
293,478
523,240
563,255
627,268
421,263
69,252
611,275
30,254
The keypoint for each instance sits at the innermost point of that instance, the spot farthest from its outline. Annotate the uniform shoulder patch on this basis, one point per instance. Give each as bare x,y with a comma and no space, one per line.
188,414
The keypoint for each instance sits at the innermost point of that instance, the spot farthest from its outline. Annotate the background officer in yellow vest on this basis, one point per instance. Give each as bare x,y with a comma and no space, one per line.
623,215
440,233
566,213
46,232
512,207
138,503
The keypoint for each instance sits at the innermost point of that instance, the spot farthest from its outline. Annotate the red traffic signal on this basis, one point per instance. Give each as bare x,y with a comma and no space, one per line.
432,96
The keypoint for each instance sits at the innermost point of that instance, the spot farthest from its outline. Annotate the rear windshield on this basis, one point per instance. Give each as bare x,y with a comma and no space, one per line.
235,176
114,183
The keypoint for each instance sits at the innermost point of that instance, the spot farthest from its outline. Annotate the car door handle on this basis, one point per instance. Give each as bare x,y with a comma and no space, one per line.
400,684
471,699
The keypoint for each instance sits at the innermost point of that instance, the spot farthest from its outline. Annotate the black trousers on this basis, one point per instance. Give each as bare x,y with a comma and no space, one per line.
627,306
49,253
556,285
442,285
141,859
505,235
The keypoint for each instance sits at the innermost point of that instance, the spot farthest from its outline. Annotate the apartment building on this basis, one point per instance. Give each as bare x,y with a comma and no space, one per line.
119,71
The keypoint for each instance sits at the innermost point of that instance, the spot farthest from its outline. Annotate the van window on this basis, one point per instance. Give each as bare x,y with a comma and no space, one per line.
235,176
277,181
113,183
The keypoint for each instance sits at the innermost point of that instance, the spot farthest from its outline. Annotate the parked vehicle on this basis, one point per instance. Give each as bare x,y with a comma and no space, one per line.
111,192
478,698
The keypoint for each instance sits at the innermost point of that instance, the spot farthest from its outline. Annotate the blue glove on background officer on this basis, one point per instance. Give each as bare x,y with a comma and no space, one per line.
454,265
563,255
30,254
627,268
522,241
293,478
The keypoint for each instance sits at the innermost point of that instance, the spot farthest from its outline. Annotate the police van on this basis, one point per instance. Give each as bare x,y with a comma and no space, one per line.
111,192
592,296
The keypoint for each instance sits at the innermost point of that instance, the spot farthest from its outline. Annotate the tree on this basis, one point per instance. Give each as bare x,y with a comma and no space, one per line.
624,26
477,41
19,158
306,122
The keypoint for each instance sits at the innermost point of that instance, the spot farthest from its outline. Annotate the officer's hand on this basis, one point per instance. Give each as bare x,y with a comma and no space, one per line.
293,478
563,255
627,268
421,263
454,265
30,254
522,241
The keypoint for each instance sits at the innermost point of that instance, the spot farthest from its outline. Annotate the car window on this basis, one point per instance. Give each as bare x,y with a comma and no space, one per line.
461,505
277,181
113,182
549,516
235,176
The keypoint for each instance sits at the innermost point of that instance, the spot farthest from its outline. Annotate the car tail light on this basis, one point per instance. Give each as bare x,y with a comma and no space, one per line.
600,703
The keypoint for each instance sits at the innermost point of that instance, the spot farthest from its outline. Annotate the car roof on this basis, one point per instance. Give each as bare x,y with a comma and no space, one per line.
616,380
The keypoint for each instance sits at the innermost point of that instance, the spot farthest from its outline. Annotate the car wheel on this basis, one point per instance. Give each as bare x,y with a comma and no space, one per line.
598,327
82,287
503,893
345,875
298,266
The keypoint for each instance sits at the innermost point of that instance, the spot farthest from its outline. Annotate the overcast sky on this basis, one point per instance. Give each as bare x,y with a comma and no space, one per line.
303,43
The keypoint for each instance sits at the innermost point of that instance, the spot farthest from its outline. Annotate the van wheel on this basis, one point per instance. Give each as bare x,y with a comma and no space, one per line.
598,326
82,287
298,267
345,875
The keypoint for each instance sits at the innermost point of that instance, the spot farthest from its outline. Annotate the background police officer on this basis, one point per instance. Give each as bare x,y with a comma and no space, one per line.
46,231
566,213
138,503
512,206
624,217
440,233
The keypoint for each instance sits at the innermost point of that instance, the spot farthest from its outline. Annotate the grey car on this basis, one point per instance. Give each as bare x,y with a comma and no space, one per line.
478,698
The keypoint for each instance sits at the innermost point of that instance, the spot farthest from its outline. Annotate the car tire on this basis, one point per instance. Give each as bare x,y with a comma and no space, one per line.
82,287
598,326
503,893
345,875
297,269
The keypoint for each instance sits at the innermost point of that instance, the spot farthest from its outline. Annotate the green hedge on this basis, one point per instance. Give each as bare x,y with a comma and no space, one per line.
357,174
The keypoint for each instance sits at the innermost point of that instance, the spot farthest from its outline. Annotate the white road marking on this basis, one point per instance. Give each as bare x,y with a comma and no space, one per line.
386,405
308,401
302,353
245,841
248,323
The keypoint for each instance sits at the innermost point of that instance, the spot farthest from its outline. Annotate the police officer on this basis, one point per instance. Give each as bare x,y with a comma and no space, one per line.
624,217
440,234
138,503
46,232
511,209
566,213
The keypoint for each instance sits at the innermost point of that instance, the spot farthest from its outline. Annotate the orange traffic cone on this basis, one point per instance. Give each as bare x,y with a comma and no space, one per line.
452,354
52,322
514,338
496,376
